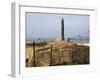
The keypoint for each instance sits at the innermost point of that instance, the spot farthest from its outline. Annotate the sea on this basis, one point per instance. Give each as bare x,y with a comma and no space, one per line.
84,41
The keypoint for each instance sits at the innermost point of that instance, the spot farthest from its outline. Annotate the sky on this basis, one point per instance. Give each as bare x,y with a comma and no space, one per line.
44,25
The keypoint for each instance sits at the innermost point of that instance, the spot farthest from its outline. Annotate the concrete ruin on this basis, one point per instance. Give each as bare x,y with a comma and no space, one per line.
62,29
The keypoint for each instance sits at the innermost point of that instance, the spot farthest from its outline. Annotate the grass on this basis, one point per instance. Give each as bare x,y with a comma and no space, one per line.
63,53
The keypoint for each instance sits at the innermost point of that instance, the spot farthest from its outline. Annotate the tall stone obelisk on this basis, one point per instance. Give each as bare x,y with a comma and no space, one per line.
62,29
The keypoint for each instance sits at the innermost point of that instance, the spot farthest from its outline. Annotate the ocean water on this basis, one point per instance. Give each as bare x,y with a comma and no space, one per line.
79,41
39,40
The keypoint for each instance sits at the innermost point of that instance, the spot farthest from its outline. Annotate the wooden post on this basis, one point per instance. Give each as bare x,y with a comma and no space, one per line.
72,58
51,56
59,58
34,63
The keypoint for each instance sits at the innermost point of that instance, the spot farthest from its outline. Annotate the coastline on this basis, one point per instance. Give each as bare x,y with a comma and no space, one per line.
85,44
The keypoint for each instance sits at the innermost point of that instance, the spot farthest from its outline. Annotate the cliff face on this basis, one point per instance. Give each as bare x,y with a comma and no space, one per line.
60,53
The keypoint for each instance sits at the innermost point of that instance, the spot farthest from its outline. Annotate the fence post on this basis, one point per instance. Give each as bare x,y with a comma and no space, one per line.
51,56
59,58
34,63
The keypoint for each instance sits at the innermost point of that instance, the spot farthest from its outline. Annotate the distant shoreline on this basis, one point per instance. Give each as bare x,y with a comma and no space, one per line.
85,44
45,42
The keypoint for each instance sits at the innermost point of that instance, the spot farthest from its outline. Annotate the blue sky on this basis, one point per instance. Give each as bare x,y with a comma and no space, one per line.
43,25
